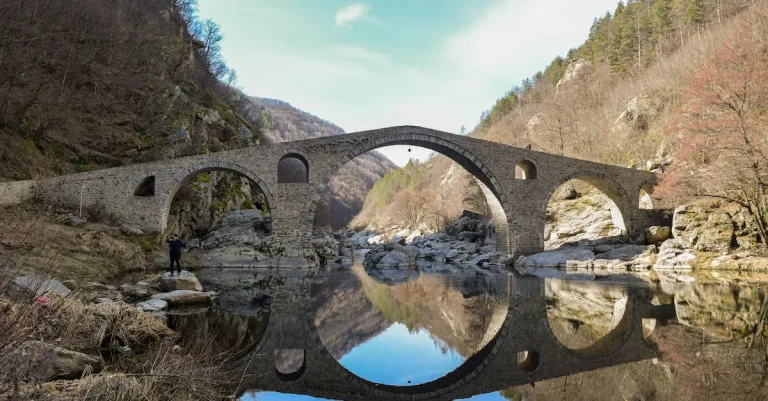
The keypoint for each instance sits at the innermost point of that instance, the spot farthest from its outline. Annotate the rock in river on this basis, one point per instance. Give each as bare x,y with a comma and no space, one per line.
183,297
559,258
153,305
184,281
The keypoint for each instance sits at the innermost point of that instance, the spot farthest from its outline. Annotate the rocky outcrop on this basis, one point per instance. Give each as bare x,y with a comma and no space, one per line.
558,258
637,116
210,198
574,216
576,72
713,226
390,256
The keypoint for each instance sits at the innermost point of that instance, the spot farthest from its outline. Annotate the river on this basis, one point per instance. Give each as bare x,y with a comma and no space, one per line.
344,333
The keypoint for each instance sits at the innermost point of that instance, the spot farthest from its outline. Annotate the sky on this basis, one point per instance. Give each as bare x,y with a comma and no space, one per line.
379,63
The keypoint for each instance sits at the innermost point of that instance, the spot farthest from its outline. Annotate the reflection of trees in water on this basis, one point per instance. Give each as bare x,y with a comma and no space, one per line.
453,319
221,328
344,318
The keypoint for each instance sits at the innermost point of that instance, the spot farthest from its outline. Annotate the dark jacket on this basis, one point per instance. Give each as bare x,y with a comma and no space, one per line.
174,247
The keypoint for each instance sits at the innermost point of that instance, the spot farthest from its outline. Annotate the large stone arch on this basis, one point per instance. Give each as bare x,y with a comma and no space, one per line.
181,178
605,184
479,170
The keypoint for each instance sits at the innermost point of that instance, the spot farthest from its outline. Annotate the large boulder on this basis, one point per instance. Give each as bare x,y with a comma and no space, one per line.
468,221
657,234
326,246
389,256
559,258
638,114
42,361
626,252
183,281
241,228
39,284
183,297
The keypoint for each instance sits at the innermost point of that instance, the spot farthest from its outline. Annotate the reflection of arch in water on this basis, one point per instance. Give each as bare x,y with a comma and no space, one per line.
471,366
492,369
589,320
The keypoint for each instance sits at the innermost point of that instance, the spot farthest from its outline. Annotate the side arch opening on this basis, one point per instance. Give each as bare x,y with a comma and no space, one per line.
215,197
584,208
292,168
146,188
525,170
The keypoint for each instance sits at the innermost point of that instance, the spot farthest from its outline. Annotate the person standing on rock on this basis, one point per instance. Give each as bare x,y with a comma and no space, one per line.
174,248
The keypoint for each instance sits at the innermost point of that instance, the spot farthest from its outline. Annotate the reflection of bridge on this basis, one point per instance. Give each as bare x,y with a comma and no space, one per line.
525,350
518,183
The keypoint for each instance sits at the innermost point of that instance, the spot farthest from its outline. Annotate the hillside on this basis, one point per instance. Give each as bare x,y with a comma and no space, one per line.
650,79
95,85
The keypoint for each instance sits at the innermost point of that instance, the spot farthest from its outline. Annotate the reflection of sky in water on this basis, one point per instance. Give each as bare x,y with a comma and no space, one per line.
272,396
396,356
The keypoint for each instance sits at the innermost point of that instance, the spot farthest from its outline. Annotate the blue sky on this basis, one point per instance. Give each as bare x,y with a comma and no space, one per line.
396,357
378,63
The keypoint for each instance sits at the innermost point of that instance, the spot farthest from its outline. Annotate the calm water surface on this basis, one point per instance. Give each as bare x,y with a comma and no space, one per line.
346,333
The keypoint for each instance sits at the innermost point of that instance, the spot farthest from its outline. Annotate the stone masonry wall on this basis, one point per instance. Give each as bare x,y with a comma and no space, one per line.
16,192
522,203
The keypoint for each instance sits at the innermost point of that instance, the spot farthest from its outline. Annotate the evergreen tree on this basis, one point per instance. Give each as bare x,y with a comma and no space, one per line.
661,22
694,12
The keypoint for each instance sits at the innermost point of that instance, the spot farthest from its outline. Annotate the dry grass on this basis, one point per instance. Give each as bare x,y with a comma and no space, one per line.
194,374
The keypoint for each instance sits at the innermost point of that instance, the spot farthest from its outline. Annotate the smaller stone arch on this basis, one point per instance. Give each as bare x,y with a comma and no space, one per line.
644,196
293,168
605,184
181,178
526,170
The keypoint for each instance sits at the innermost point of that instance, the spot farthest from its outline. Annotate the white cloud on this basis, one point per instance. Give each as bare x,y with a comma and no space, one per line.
511,34
351,13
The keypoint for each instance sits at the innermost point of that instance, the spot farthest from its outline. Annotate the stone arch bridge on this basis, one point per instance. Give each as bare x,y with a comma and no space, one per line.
518,183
